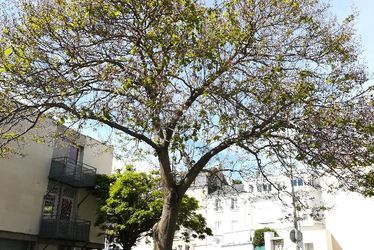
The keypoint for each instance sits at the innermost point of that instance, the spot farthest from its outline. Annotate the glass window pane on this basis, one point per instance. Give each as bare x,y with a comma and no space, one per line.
49,208
73,154
66,209
300,182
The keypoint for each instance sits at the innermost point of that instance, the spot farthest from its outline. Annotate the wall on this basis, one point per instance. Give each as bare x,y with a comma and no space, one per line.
23,183
98,156
350,221
87,211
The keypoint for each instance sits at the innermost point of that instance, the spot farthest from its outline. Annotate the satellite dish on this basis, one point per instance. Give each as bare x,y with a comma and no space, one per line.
296,236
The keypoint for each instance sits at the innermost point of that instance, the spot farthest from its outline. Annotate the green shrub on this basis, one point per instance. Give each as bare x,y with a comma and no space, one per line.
258,237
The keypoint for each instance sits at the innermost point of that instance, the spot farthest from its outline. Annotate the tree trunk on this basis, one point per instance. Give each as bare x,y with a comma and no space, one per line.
128,244
163,232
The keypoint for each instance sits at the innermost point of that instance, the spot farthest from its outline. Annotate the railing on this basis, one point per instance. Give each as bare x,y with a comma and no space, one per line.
74,230
76,174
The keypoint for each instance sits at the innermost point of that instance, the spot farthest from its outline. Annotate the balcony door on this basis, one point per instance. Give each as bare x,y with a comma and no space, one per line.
66,208
66,212
59,202
67,202
73,154
72,167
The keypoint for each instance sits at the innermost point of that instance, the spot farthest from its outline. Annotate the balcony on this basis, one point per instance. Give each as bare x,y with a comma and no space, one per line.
76,174
74,230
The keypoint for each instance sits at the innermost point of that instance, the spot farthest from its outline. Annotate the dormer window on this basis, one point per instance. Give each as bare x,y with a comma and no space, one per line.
234,203
263,187
298,182
218,205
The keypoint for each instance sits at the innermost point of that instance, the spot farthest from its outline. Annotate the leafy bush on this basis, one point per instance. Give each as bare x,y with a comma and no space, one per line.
258,238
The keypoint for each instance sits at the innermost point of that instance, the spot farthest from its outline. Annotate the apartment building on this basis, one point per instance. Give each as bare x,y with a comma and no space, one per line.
45,200
234,212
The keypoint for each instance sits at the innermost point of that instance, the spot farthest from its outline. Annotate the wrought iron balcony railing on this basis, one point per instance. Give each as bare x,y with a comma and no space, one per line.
76,174
74,230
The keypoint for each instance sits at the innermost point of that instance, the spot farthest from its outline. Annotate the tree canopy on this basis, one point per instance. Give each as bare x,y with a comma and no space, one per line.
130,203
275,79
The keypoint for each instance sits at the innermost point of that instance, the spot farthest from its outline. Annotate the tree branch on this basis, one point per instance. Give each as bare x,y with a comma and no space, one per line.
105,121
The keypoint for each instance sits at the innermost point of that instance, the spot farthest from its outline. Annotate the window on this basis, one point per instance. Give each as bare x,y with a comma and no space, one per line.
298,182
73,154
218,205
49,209
66,208
263,187
234,203
59,201
67,203
51,200
266,187
250,188
218,227
308,246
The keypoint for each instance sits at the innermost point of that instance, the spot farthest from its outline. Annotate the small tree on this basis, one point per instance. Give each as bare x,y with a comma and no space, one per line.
130,203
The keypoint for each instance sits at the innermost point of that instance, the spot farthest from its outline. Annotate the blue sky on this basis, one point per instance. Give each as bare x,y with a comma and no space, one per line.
364,24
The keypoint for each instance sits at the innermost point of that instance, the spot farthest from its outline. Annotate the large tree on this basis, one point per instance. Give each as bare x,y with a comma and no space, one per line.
278,79
130,203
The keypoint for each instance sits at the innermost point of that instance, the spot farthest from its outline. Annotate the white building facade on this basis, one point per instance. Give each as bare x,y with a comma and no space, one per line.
234,215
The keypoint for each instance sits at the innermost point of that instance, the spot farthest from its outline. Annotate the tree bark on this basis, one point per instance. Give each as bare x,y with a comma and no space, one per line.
163,231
